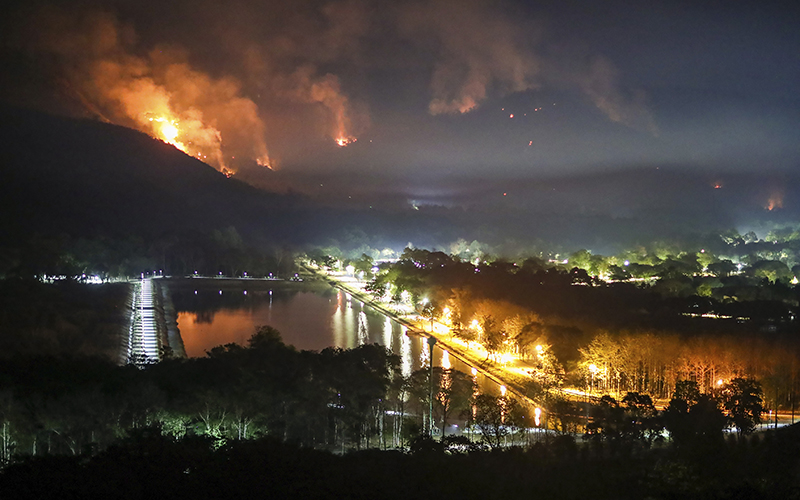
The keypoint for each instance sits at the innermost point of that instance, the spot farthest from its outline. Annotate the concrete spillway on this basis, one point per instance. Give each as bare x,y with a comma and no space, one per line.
144,339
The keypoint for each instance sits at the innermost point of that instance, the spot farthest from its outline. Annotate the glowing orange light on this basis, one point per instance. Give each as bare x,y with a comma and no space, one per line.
345,141
169,131
775,201
264,162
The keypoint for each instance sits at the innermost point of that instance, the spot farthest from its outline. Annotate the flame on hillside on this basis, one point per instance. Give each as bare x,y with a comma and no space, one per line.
343,141
167,130
327,91
775,201
158,93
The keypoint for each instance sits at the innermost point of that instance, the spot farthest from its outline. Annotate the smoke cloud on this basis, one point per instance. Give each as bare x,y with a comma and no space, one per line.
481,50
222,80
306,86
601,83
478,50
158,93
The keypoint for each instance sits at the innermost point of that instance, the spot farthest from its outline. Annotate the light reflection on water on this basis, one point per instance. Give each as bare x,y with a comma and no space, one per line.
363,329
309,316
406,359
424,355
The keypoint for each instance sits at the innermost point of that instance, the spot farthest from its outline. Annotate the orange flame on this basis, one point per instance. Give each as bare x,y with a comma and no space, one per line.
264,161
775,201
343,141
168,132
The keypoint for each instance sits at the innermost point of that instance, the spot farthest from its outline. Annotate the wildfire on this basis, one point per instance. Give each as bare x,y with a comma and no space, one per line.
198,139
775,201
156,91
264,162
343,141
168,130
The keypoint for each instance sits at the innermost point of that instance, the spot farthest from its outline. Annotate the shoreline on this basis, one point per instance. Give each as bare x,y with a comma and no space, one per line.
484,366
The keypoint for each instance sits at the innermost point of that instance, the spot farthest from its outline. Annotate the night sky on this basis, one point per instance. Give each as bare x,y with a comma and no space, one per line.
435,92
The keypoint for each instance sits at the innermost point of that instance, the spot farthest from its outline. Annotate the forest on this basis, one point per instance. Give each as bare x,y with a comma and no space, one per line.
635,322
266,419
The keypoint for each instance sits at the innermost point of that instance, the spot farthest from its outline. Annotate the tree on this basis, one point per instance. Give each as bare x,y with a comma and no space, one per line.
642,421
744,403
453,396
607,420
580,259
694,420
770,269
364,265
722,268
495,416
566,414
493,336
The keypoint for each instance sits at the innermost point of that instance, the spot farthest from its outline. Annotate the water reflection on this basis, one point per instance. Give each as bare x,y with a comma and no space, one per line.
424,355
363,329
387,333
446,360
309,316
406,357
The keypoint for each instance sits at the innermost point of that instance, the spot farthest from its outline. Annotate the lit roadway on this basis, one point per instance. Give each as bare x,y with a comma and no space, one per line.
510,374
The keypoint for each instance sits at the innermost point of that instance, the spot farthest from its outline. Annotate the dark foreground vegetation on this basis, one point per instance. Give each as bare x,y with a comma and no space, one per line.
269,421
151,464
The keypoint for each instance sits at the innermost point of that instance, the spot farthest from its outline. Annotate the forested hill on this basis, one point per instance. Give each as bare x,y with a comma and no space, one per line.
89,179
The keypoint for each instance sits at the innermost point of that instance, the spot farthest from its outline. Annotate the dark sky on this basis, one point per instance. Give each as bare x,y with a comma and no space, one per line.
429,87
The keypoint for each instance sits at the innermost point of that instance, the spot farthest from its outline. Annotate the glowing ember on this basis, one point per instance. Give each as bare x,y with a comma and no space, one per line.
345,141
264,162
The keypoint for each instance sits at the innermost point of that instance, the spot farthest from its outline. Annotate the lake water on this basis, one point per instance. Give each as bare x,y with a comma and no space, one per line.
310,316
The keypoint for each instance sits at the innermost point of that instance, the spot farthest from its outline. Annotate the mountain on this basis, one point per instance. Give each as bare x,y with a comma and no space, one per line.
87,179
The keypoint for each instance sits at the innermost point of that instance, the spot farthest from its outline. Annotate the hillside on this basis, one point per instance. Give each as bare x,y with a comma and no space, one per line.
87,178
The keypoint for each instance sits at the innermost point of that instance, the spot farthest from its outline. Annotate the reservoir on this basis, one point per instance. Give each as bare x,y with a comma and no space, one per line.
309,316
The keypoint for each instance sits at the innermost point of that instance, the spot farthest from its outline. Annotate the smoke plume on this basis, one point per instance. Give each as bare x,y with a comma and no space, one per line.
601,83
478,50
308,87
158,92
220,80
